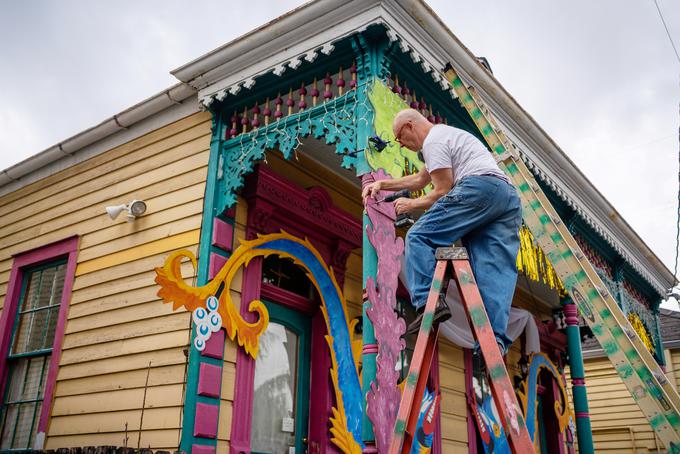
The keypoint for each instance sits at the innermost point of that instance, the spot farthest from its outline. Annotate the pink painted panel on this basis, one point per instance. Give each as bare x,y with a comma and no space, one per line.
205,424
67,247
469,391
214,347
223,234
202,449
209,380
217,261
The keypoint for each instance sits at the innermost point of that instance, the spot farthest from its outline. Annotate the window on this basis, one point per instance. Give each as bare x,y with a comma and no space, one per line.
30,352
31,329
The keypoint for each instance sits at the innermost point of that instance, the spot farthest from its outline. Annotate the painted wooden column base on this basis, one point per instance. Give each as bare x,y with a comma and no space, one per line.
578,382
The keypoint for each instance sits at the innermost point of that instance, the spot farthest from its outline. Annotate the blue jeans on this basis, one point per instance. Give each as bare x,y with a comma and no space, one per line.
485,212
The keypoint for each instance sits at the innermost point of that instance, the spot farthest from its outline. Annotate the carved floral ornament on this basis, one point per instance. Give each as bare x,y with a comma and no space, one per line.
347,414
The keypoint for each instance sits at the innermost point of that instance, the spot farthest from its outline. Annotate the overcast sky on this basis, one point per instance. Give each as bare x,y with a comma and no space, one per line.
600,77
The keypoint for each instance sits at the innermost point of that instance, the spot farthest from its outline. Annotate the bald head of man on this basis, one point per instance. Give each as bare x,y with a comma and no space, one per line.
410,129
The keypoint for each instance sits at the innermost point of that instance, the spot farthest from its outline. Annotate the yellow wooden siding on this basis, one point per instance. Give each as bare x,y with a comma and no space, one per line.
617,422
118,330
453,404
673,367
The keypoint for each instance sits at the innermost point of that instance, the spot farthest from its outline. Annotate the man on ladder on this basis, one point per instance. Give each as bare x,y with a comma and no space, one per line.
472,200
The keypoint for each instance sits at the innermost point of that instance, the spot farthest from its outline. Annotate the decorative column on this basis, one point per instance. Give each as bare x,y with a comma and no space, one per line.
370,344
578,381
658,340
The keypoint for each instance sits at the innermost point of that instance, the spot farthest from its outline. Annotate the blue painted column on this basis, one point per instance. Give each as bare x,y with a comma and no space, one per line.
578,381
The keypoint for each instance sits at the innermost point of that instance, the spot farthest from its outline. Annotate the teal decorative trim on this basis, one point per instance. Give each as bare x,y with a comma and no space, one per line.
191,397
334,120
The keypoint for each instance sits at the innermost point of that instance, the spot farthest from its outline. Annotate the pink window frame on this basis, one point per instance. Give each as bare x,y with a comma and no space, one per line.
67,248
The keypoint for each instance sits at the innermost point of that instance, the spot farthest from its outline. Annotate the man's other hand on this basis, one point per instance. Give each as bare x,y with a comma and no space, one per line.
404,205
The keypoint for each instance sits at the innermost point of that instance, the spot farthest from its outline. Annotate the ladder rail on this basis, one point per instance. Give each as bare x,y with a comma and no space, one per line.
642,375
402,437
504,397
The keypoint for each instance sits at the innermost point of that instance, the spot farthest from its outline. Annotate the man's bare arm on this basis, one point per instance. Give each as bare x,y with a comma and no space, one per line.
442,179
414,182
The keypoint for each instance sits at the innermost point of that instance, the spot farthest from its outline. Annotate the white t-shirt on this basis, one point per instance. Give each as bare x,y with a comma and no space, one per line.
446,147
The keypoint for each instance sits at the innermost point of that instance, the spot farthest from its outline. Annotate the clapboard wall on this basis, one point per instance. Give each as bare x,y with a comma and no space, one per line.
118,332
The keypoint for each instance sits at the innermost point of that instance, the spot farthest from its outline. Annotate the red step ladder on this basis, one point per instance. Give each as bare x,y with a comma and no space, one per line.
453,263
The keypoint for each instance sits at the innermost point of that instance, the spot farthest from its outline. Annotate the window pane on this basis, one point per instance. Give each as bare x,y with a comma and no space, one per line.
274,391
45,290
48,336
23,401
31,294
9,423
285,274
22,435
15,380
38,310
33,381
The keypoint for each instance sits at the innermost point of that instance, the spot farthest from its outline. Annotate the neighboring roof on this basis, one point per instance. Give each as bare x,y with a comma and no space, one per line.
314,28
669,324
670,328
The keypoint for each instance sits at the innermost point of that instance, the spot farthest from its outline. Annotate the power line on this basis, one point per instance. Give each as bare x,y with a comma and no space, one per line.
667,32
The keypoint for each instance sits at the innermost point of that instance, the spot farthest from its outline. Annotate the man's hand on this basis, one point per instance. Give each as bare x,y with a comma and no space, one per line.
371,190
404,205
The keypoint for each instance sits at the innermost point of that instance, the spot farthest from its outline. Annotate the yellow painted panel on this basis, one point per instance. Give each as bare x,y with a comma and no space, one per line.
112,421
170,323
450,354
455,447
125,347
118,301
156,439
229,351
241,216
125,270
228,380
164,375
116,245
124,399
454,402
144,250
157,358
117,289
451,377
454,428
224,424
129,314
151,143
222,446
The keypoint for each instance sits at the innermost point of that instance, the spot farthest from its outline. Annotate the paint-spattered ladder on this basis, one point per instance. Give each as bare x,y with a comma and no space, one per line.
453,263
645,380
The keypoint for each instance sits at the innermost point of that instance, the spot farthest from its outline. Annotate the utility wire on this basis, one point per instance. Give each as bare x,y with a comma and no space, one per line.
667,32
677,223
